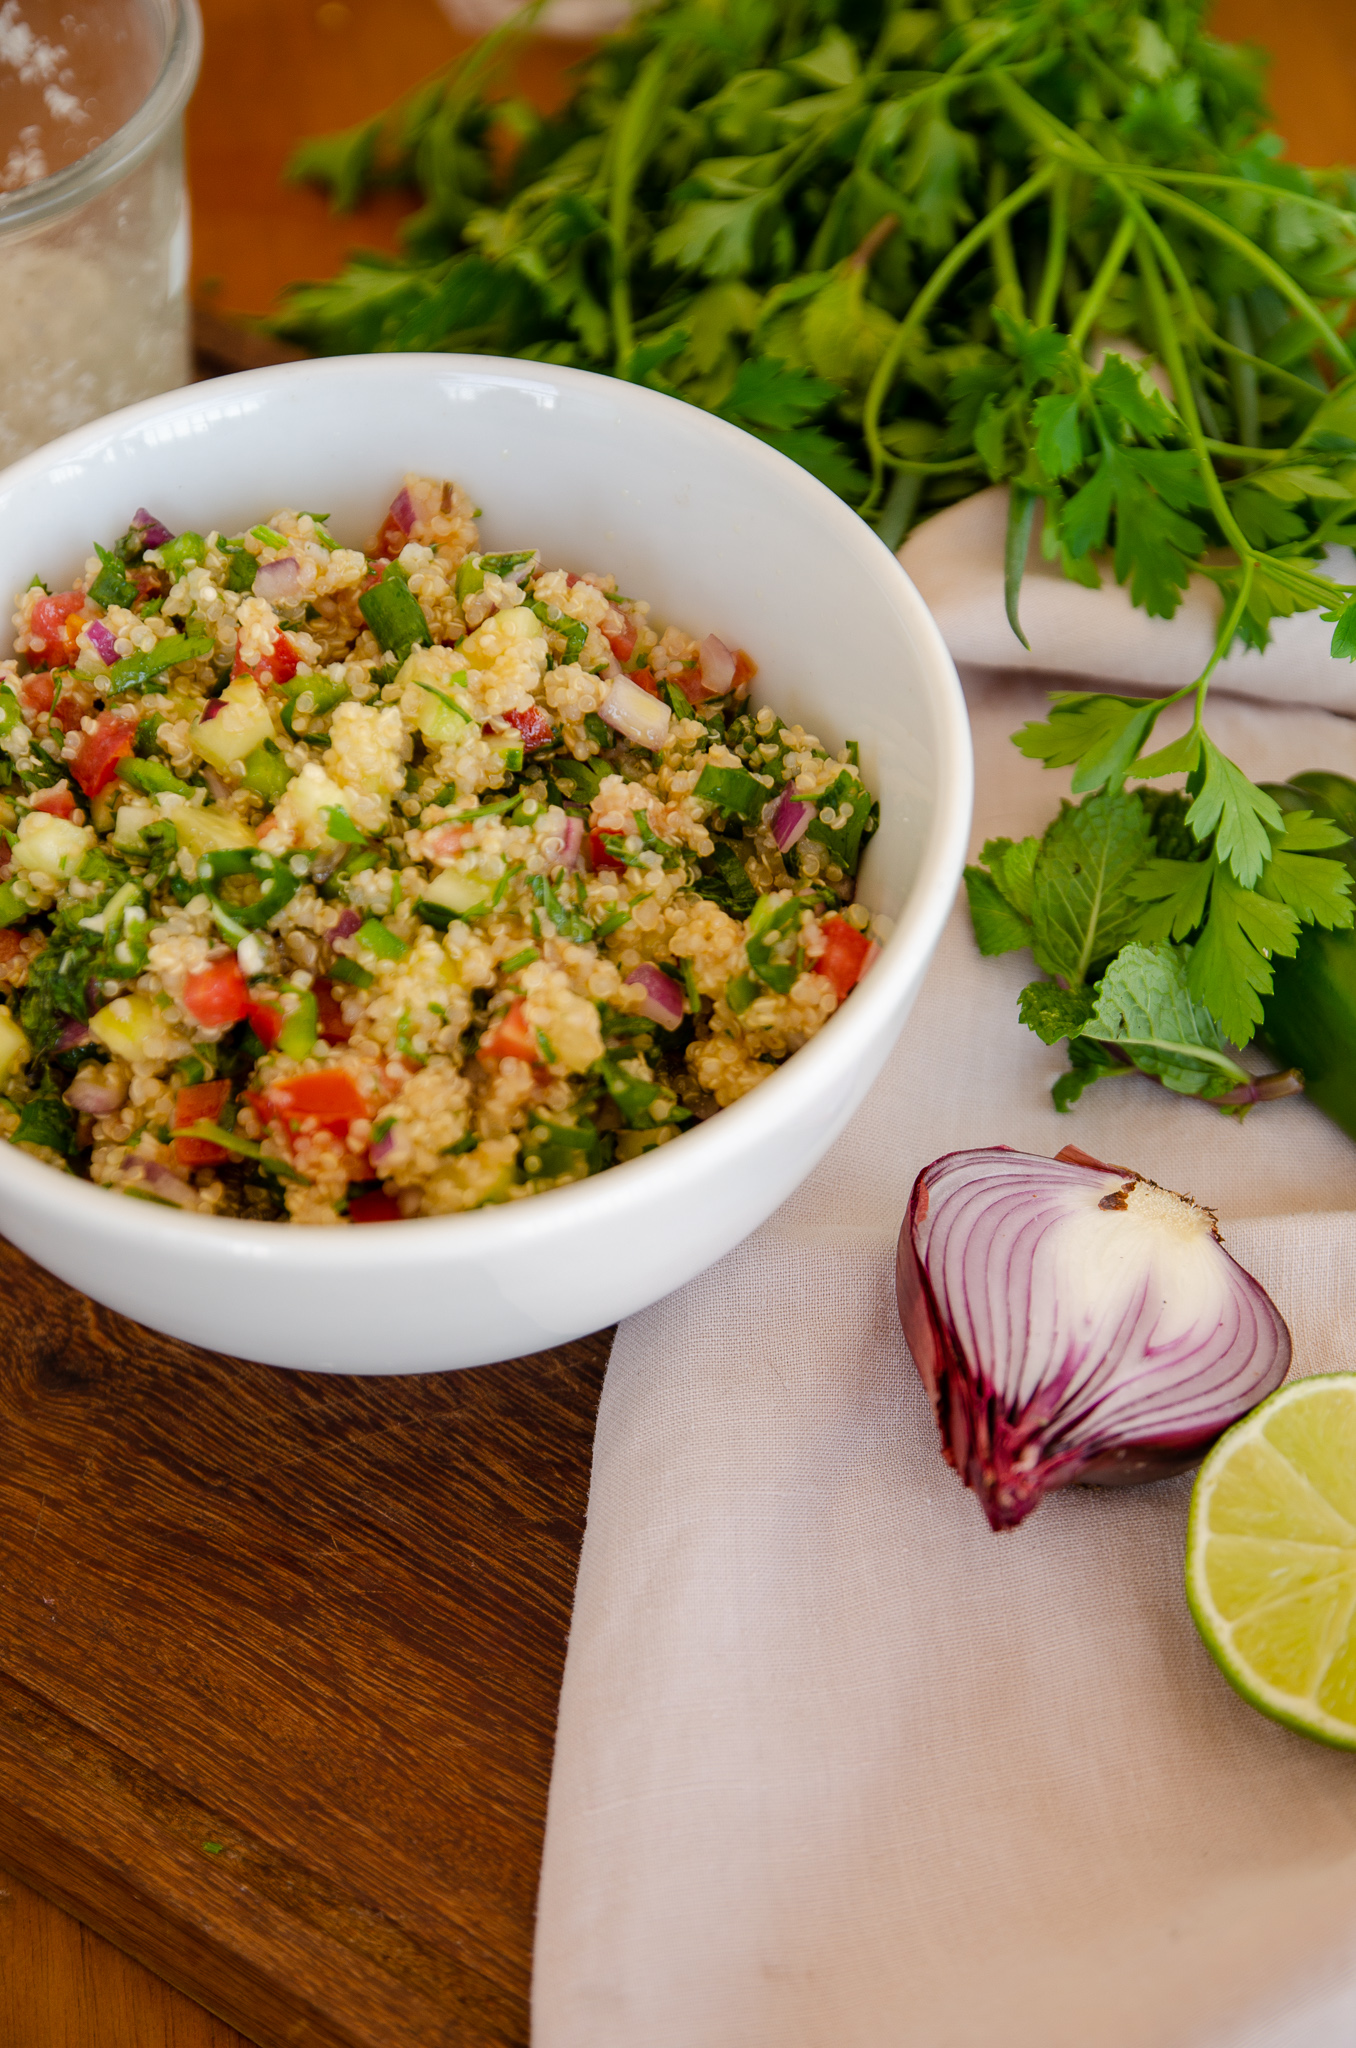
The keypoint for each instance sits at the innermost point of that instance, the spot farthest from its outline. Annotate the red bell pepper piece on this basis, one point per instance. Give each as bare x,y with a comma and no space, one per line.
600,857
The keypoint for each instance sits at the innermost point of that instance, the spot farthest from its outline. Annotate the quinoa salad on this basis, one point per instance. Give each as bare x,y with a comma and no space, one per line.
346,885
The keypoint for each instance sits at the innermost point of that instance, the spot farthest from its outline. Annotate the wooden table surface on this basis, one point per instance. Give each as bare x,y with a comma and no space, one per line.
276,70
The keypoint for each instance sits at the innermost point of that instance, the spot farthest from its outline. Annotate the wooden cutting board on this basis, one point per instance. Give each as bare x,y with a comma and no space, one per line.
279,1662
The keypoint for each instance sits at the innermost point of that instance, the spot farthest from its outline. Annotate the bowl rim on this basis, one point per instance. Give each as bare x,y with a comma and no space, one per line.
710,1147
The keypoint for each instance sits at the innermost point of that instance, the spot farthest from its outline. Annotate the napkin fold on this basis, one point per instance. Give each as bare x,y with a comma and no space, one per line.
836,1766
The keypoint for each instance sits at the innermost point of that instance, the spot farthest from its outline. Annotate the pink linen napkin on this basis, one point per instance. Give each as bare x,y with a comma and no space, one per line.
836,1766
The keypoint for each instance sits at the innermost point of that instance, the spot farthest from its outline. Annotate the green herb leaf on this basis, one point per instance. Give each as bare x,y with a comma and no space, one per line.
1052,1012
1145,1007
1082,910
1238,813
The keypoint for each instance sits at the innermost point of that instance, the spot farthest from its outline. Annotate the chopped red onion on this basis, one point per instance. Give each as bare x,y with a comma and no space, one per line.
74,1033
383,1147
664,1000
97,1090
634,713
570,844
213,708
344,926
279,582
402,510
150,531
167,1186
790,819
717,666
102,641
1074,1321
218,787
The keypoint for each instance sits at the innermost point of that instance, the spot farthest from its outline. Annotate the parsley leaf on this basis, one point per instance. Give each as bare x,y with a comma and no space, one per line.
1237,812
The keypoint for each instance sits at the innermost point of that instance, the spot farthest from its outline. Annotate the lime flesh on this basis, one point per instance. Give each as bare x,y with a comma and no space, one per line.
1271,1557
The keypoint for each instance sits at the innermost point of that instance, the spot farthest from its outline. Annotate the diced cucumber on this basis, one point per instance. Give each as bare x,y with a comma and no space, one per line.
48,845
209,830
243,723
15,1050
125,1025
509,745
454,893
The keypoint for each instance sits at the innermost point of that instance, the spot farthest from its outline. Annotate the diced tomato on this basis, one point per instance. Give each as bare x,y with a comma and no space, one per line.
73,702
280,664
599,857
58,803
200,1104
391,538
11,945
217,995
36,692
534,725
149,582
55,625
444,842
332,1097
846,955
646,681
511,1038
746,668
266,1020
623,644
691,684
97,757
373,1208
330,1017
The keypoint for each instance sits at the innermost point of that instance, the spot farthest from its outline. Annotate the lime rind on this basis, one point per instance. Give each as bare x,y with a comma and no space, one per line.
1327,1585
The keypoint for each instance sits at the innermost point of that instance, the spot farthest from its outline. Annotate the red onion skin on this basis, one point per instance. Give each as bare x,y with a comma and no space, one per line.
154,533
998,1461
278,582
718,664
402,510
344,926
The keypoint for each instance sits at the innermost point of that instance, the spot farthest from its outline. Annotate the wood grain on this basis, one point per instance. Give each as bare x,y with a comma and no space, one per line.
62,1986
279,1660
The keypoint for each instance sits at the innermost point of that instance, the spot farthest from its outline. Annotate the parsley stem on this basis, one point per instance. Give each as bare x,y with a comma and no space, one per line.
918,312
1175,363
1009,294
1108,271
634,135
1056,249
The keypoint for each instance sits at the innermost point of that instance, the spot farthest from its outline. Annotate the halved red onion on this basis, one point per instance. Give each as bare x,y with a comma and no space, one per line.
150,531
166,1186
102,641
789,821
279,582
634,713
1074,1321
664,1001
97,1090
717,665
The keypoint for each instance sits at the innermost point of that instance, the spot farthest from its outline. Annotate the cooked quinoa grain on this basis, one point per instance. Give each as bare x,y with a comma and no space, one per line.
346,885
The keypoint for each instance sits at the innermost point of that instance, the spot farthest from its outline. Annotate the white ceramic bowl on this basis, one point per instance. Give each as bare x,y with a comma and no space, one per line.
721,535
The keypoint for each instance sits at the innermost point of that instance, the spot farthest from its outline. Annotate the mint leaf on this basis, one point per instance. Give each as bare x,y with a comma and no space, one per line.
1145,1008
1053,1012
1081,909
1088,1062
998,927
1012,863
1238,813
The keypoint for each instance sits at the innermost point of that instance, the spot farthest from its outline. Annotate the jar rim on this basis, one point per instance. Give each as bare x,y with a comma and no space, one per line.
127,147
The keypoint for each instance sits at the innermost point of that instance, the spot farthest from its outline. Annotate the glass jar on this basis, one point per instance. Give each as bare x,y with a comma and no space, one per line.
94,236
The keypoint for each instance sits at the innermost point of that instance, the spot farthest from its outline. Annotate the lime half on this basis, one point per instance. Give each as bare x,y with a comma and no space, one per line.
1271,1557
